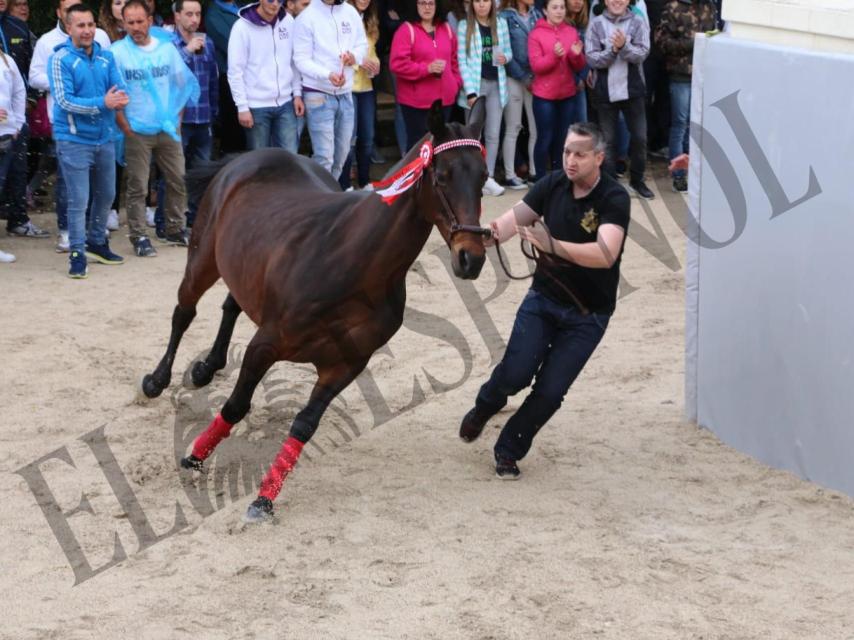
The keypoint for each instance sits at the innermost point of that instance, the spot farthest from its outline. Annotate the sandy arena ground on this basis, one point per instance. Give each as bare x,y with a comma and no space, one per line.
628,523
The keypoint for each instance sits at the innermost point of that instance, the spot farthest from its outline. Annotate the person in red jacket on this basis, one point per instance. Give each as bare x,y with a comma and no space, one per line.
424,61
556,54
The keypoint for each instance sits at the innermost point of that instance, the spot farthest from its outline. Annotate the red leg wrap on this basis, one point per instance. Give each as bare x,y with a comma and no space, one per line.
282,466
211,437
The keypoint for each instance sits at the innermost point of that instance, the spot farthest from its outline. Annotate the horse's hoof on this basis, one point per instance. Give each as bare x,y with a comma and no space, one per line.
193,463
150,388
201,374
261,510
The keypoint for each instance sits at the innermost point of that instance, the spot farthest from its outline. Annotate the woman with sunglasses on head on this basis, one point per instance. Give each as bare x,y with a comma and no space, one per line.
484,44
424,61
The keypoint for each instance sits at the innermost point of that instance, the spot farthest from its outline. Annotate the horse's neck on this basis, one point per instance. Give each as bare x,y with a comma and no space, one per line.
409,229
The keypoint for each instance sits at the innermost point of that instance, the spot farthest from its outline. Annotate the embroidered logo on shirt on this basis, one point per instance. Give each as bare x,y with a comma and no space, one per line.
345,27
283,33
590,221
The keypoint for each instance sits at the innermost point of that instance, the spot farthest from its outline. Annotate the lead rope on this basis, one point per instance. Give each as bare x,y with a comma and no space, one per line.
545,262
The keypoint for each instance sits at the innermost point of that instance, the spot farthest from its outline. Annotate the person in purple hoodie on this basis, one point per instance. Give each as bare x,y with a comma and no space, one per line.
265,84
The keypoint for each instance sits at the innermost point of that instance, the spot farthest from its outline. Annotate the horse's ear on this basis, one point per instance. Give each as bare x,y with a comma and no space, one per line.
436,121
477,117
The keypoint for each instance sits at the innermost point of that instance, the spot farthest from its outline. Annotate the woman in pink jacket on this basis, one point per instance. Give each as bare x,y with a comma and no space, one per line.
424,61
555,53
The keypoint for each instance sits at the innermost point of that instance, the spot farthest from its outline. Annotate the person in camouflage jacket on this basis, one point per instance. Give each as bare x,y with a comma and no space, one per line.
674,35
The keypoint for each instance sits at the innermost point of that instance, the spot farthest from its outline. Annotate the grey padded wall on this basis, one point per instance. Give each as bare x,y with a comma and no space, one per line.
770,347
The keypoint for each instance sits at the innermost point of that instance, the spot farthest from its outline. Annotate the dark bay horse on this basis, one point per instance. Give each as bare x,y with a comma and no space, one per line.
320,272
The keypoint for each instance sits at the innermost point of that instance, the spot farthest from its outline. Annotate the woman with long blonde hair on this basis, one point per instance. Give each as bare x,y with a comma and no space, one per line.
484,49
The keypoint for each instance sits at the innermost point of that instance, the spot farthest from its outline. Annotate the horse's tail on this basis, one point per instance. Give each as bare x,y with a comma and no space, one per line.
202,174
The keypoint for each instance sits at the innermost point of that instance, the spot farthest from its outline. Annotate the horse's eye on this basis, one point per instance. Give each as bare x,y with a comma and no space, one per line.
442,178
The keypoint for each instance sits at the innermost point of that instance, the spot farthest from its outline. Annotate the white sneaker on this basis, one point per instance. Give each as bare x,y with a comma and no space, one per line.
113,220
62,246
492,188
149,216
6,257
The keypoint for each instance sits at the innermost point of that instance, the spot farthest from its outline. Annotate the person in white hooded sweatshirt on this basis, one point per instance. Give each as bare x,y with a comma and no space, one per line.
264,82
13,98
329,44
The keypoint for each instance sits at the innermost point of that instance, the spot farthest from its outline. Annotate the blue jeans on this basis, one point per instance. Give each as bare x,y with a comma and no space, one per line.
87,167
680,114
552,342
330,125
552,118
197,141
362,143
399,123
13,180
273,127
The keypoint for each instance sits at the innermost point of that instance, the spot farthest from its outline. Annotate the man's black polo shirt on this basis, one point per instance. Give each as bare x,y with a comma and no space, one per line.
578,221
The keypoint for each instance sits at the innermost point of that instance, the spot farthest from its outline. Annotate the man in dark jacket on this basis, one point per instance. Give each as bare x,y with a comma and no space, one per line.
219,18
680,20
17,43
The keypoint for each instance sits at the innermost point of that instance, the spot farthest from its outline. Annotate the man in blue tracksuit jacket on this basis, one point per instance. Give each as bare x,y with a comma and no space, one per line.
87,89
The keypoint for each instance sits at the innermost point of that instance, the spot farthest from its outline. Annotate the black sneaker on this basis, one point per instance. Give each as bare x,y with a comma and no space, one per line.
506,469
532,180
143,248
642,190
77,268
680,184
472,425
620,168
179,239
160,233
101,253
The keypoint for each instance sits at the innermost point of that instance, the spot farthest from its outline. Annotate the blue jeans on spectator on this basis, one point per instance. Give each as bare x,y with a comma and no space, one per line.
13,180
273,127
415,123
362,143
87,167
197,141
330,125
623,139
552,342
552,118
399,123
680,115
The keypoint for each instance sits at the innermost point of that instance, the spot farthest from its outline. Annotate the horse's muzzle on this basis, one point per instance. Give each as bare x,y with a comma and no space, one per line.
467,265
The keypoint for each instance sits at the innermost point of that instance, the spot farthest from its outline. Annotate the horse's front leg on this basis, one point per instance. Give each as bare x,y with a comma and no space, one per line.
154,383
330,382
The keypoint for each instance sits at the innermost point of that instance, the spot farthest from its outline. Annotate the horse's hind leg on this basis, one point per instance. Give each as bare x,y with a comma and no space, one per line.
330,382
260,355
203,371
200,275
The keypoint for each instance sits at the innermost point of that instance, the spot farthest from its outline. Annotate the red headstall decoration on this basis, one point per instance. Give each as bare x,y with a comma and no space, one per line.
396,185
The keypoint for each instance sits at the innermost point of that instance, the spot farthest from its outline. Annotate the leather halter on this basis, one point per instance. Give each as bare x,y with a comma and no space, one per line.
447,210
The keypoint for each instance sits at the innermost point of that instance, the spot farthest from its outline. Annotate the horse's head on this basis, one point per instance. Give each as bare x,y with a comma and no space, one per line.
456,176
